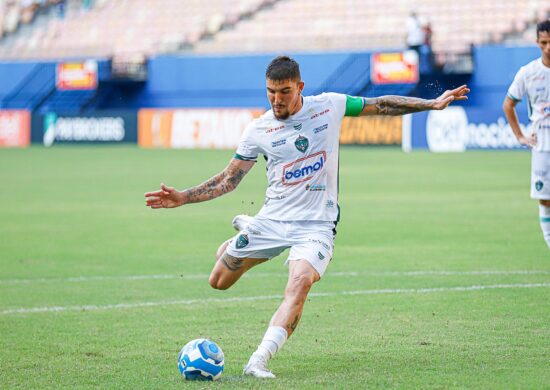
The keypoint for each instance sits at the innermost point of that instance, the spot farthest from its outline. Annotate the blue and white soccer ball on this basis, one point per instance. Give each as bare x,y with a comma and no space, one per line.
201,359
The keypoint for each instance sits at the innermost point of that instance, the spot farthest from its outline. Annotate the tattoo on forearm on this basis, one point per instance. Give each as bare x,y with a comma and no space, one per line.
396,105
218,185
232,263
204,191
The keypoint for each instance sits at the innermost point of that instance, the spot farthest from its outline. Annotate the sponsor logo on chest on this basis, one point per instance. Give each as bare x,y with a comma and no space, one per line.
274,129
280,142
303,169
320,128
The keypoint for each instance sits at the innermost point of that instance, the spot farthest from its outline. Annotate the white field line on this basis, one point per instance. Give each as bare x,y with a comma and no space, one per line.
80,279
57,309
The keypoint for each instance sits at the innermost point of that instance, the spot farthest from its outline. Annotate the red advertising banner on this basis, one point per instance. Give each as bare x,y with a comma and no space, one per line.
394,68
76,75
15,128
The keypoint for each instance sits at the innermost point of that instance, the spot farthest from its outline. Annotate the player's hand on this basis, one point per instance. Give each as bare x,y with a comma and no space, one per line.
529,141
166,197
449,96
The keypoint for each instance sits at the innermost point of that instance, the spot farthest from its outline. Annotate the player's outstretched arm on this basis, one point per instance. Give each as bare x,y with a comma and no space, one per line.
509,108
224,182
401,105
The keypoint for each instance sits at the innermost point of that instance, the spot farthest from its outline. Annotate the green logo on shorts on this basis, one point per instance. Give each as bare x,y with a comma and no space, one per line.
538,185
301,143
242,241
321,257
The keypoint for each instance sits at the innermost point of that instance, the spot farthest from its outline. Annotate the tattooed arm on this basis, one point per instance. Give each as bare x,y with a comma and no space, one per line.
401,105
224,182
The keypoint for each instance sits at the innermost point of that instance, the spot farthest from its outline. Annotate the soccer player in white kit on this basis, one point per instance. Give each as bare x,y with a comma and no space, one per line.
299,137
533,81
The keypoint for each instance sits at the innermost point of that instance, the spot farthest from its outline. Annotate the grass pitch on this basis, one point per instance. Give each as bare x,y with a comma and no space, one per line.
440,277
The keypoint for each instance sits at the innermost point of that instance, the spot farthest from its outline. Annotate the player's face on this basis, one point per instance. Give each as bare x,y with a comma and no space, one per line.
285,97
543,41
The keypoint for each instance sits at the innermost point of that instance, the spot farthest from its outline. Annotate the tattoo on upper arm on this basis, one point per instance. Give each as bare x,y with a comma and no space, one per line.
232,263
234,177
394,105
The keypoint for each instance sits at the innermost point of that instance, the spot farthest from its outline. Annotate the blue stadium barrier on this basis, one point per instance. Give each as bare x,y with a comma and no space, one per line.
459,128
239,81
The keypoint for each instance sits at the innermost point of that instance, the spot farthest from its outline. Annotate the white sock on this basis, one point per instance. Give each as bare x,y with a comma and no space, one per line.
544,214
273,340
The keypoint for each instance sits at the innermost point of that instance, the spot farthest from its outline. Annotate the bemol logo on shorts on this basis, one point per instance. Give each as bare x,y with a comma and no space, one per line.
304,168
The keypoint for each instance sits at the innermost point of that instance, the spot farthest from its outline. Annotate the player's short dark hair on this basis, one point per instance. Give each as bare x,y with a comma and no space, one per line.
283,68
543,26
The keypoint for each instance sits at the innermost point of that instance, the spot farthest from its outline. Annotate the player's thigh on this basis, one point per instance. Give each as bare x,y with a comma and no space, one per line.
315,244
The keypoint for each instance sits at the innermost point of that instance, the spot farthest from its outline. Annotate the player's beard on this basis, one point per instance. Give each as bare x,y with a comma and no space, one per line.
284,115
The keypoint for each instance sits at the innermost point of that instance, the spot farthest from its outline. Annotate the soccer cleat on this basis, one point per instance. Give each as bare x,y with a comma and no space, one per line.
257,367
241,221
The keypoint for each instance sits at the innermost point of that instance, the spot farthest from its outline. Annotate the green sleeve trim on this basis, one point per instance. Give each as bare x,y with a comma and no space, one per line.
244,158
513,97
354,105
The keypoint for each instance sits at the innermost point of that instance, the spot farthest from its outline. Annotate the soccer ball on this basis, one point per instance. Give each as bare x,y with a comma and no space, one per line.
201,359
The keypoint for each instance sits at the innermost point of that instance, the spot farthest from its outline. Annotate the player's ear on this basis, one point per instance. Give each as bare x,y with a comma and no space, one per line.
301,85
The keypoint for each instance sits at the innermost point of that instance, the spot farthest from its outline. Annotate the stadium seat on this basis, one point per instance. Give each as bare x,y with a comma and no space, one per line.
150,27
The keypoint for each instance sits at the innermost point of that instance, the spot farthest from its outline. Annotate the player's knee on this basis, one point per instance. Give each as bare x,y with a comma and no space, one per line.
544,202
217,283
298,286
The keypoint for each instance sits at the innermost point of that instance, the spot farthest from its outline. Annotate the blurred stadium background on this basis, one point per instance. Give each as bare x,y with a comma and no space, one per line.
149,63
440,277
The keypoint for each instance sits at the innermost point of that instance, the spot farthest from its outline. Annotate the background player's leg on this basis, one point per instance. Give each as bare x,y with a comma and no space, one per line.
301,276
229,269
544,214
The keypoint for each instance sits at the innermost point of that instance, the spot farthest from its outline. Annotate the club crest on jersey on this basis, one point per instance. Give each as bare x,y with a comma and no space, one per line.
301,143
242,241
303,169
538,185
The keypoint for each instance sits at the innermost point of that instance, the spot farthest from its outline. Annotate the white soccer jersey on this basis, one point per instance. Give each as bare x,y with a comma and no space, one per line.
533,80
302,159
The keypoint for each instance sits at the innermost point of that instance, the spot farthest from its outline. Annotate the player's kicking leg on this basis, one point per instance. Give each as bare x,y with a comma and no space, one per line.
228,269
301,277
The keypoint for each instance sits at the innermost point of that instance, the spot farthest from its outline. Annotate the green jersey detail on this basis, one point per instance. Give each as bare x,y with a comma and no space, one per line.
354,105
244,158
513,97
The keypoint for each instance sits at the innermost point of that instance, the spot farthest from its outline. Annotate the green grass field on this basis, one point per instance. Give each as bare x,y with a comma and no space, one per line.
440,279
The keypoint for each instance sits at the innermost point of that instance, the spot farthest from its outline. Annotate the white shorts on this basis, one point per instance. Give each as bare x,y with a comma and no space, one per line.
540,175
266,238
